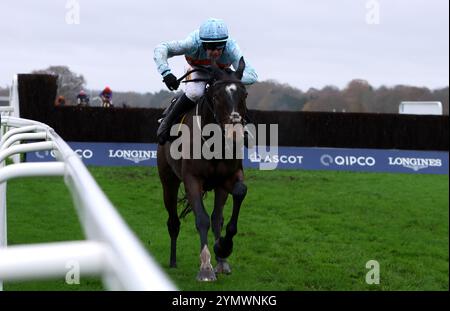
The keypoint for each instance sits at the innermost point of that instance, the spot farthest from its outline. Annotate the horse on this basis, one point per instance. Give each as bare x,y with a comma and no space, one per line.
223,103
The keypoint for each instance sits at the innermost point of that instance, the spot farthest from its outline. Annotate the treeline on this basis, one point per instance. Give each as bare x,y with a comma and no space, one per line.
358,96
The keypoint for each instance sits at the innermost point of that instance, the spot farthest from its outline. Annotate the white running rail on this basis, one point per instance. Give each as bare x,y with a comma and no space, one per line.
111,250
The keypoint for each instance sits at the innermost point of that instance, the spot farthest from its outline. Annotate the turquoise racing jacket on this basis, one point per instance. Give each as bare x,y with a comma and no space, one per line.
195,54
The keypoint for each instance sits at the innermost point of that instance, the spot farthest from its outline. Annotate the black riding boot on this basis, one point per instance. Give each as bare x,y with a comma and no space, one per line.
182,105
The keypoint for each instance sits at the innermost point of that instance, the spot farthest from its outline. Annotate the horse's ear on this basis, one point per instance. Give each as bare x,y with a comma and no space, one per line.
240,70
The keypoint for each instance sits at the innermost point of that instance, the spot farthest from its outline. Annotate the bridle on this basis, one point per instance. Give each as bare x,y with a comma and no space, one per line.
234,117
211,84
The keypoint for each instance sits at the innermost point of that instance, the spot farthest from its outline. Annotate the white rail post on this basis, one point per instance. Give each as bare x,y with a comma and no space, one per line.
14,103
3,224
112,250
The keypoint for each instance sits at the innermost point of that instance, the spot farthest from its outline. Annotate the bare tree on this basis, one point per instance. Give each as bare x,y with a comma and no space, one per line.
358,96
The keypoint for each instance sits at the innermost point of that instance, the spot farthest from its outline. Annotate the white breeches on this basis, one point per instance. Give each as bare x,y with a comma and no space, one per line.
195,90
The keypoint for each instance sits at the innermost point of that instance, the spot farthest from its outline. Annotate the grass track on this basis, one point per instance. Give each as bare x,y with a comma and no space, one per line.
298,230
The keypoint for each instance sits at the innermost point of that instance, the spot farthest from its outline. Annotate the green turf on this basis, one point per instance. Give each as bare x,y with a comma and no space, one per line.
298,230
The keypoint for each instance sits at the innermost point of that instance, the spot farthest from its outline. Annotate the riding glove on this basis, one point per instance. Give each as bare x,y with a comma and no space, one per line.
171,81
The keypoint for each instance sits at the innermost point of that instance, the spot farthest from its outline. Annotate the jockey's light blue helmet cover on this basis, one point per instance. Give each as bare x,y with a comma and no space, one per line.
213,30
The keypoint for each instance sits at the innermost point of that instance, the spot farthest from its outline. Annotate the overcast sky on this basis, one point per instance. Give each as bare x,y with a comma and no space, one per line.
302,43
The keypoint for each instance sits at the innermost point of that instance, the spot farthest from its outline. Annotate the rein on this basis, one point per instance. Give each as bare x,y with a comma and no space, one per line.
205,70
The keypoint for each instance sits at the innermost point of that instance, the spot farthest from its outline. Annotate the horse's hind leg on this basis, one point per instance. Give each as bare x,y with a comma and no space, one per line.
194,192
173,222
170,183
220,198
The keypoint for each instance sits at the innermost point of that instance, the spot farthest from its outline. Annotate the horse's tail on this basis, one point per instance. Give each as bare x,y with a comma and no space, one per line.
187,208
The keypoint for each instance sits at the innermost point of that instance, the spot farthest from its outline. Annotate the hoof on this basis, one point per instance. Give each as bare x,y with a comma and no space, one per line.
206,273
206,276
172,265
223,247
222,267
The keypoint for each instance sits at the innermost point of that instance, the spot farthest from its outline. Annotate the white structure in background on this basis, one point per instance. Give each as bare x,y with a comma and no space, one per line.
420,107
111,250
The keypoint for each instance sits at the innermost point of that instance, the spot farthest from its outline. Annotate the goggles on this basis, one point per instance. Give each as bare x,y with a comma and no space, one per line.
214,45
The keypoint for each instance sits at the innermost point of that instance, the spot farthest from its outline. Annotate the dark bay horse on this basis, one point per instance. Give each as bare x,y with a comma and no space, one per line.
223,104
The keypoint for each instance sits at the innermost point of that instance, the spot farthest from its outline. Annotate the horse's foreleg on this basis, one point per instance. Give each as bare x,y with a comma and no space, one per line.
224,246
194,191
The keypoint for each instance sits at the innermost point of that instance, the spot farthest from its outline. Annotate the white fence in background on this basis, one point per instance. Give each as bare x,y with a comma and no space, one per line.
420,107
111,250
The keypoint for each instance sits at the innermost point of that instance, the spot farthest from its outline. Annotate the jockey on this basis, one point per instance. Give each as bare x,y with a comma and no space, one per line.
209,42
82,98
106,94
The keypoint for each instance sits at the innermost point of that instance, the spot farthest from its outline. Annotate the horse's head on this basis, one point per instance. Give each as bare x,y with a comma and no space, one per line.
227,97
